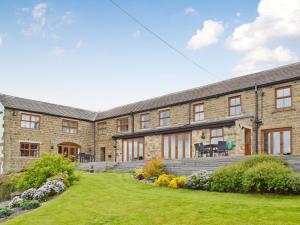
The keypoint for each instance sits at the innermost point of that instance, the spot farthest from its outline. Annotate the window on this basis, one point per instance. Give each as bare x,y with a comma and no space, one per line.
216,135
30,149
235,107
122,125
277,141
164,118
101,126
283,97
70,126
176,146
145,121
133,149
198,112
30,121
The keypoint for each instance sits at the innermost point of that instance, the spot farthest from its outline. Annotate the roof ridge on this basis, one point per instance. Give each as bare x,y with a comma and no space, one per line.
200,87
10,96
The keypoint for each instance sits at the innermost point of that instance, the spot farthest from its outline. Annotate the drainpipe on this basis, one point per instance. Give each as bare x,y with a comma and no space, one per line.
257,121
94,141
132,122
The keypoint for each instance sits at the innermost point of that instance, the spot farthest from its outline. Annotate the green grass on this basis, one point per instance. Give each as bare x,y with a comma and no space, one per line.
111,198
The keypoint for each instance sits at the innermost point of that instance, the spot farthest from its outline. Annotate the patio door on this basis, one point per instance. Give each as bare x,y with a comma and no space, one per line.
133,149
177,146
277,141
69,150
248,141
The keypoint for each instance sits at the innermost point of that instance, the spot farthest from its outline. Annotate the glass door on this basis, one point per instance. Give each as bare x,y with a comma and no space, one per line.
176,146
277,141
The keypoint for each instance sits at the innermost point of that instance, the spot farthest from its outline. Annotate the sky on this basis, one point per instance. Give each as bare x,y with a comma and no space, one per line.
91,55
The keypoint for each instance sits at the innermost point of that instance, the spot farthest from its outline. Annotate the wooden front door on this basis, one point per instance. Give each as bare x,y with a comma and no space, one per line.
69,150
247,141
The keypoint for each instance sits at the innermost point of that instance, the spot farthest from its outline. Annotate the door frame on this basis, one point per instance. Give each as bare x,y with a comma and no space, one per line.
262,151
250,141
69,145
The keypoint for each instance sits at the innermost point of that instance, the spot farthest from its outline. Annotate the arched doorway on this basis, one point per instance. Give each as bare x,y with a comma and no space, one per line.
69,150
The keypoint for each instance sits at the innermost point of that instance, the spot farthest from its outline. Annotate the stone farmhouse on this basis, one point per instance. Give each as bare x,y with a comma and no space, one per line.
258,113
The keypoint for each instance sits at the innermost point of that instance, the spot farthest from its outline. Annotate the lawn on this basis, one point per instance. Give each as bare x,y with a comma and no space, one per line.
112,198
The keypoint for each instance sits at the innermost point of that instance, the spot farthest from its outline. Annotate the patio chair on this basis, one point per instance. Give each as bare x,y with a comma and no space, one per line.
200,150
222,148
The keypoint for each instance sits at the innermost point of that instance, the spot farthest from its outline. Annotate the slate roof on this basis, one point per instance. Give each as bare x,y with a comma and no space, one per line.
46,108
247,82
269,77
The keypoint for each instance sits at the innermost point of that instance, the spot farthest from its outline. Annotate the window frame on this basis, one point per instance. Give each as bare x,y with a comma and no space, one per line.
184,150
234,106
120,125
69,127
30,120
162,118
139,140
102,130
145,121
29,149
280,130
212,137
284,97
200,112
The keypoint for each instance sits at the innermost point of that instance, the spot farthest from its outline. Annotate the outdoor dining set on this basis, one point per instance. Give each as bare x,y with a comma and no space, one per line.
212,150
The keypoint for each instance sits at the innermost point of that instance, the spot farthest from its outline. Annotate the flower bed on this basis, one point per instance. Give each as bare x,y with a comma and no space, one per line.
257,174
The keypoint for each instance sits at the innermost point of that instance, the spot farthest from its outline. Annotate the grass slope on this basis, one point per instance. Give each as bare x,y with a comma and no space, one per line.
112,198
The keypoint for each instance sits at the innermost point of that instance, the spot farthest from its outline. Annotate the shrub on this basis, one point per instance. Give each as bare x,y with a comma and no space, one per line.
256,174
139,174
177,182
8,185
164,179
48,166
30,204
5,212
267,176
28,195
15,202
199,180
154,168
64,177
50,188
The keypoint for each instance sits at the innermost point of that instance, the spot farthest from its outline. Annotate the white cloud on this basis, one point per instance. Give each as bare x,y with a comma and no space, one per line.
79,44
38,19
276,19
191,11
136,34
264,58
58,51
238,14
39,10
1,40
68,18
207,35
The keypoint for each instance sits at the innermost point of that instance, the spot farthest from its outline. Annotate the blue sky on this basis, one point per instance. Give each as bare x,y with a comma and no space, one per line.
88,54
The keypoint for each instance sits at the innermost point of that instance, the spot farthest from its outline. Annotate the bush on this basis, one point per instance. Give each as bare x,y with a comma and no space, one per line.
199,180
50,188
177,182
5,212
154,168
48,166
139,174
256,174
28,195
164,179
63,177
30,204
8,185
15,202
267,176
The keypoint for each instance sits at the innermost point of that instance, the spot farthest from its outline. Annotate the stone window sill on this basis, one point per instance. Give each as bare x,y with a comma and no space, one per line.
283,110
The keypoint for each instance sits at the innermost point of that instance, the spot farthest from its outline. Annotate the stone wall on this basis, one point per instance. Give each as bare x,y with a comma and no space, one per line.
49,135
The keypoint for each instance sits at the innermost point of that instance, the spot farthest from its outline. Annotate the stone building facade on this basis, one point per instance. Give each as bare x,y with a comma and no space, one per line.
256,113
